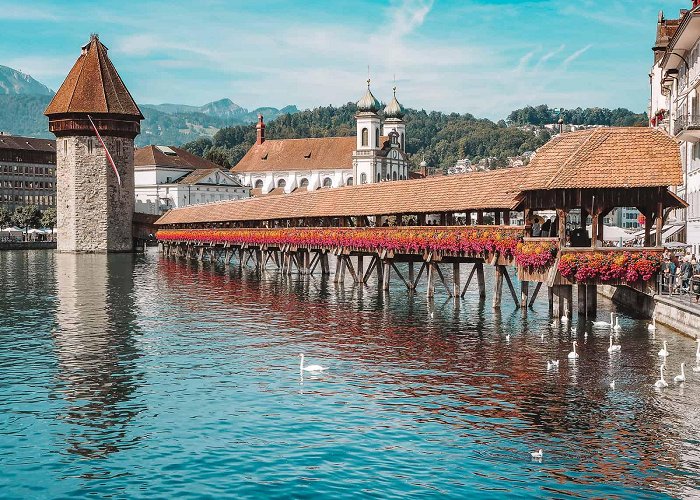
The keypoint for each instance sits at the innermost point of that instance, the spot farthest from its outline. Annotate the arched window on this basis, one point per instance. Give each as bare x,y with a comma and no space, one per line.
363,178
281,183
394,176
304,183
403,144
259,184
376,137
327,182
365,137
350,181
388,176
379,177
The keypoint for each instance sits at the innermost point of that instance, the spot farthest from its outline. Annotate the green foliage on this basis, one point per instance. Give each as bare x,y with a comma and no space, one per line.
27,217
5,217
543,114
48,218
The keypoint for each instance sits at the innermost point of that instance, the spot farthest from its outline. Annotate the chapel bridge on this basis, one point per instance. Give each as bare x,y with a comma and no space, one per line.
591,171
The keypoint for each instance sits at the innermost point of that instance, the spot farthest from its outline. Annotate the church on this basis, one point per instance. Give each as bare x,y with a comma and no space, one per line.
377,153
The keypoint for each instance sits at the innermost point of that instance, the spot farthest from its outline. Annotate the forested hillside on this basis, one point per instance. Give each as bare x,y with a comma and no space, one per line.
543,114
441,138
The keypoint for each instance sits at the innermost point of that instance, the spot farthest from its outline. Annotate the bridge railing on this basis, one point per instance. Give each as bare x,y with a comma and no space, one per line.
476,241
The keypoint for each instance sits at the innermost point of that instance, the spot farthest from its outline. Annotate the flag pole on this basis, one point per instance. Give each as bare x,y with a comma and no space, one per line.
109,156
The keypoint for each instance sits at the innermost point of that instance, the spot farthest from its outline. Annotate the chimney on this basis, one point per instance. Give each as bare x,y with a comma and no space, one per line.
260,129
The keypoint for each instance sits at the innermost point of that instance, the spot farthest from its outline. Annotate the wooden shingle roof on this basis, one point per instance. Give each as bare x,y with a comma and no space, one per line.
617,157
154,156
454,193
93,86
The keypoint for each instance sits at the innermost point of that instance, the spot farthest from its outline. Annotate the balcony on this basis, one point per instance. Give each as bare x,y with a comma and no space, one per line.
687,128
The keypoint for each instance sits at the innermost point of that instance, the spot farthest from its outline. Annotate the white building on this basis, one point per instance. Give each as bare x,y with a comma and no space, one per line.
377,153
169,177
674,105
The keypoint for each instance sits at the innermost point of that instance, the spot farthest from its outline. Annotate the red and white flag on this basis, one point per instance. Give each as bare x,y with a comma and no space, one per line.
109,156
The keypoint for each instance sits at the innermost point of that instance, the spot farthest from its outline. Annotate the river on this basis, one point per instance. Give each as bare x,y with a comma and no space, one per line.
132,376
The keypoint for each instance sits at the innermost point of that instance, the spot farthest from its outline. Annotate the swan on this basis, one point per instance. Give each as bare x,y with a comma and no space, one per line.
617,326
507,337
604,324
614,347
664,351
681,377
661,382
537,454
652,326
573,354
612,385
310,368
565,318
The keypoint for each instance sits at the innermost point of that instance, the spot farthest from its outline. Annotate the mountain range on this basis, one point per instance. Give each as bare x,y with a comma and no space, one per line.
23,100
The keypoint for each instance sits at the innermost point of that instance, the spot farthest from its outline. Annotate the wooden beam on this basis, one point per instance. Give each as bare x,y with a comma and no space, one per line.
443,280
480,279
398,273
534,294
510,286
659,223
420,273
523,294
497,287
431,280
455,279
469,280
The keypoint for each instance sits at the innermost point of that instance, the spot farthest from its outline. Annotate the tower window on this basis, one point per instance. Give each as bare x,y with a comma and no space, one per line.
403,144
376,137
363,178
327,182
89,146
350,181
379,177
365,137
394,176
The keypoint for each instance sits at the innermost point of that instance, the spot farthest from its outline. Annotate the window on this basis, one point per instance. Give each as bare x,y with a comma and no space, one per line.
350,181
403,145
89,146
363,178
258,184
394,176
304,183
696,151
281,183
327,182
365,137
376,137
379,177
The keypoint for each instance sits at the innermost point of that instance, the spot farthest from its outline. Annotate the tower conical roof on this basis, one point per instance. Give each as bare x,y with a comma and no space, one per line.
394,108
368,102
93,86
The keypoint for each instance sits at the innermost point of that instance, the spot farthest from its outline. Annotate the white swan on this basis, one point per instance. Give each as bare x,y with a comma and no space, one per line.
310,368
612,385
565,318
664,351
617,326
573,354
681,377
604,324
652,326
614,347
661,382
537,455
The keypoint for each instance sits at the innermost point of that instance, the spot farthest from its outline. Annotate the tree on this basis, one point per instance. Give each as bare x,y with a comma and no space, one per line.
5,217
48,218
26,217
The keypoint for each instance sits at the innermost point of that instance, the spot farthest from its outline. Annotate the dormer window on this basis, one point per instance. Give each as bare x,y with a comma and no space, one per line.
307,155
264,157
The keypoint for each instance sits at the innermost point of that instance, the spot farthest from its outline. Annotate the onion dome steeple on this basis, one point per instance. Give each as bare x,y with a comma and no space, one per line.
394,108
368,103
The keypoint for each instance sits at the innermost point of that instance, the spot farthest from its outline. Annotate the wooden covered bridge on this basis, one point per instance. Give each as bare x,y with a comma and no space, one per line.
589,172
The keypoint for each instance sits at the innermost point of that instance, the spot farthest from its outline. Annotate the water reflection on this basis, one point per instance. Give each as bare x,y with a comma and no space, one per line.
98,372
454,367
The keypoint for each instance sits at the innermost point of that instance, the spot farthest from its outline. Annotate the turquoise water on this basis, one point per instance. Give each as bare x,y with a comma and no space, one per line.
131,376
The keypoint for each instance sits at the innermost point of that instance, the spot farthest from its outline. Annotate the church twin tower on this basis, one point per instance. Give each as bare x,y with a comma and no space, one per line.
95,120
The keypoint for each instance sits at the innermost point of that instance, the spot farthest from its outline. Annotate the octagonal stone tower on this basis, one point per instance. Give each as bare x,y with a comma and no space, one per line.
94,211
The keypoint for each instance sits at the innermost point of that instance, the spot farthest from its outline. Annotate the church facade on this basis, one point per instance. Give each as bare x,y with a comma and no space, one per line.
377,153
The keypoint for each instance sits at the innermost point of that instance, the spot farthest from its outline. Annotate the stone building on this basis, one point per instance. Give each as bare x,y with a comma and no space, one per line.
27,172
95,203
377,153
168,177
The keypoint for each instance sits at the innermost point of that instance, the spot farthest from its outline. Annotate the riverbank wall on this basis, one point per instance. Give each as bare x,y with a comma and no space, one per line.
27,245
680,316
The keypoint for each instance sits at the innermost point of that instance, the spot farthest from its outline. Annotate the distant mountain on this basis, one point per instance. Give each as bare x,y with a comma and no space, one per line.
223,109
15,82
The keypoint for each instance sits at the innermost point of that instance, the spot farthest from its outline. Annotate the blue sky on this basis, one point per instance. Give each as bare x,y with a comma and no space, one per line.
486,57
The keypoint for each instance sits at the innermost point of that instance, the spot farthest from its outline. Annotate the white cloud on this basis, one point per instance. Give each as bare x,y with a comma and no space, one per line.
575,56
26,13
407,15
543,60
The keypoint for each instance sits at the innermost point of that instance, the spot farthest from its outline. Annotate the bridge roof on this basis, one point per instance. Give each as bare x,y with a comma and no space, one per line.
454,193
609,157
